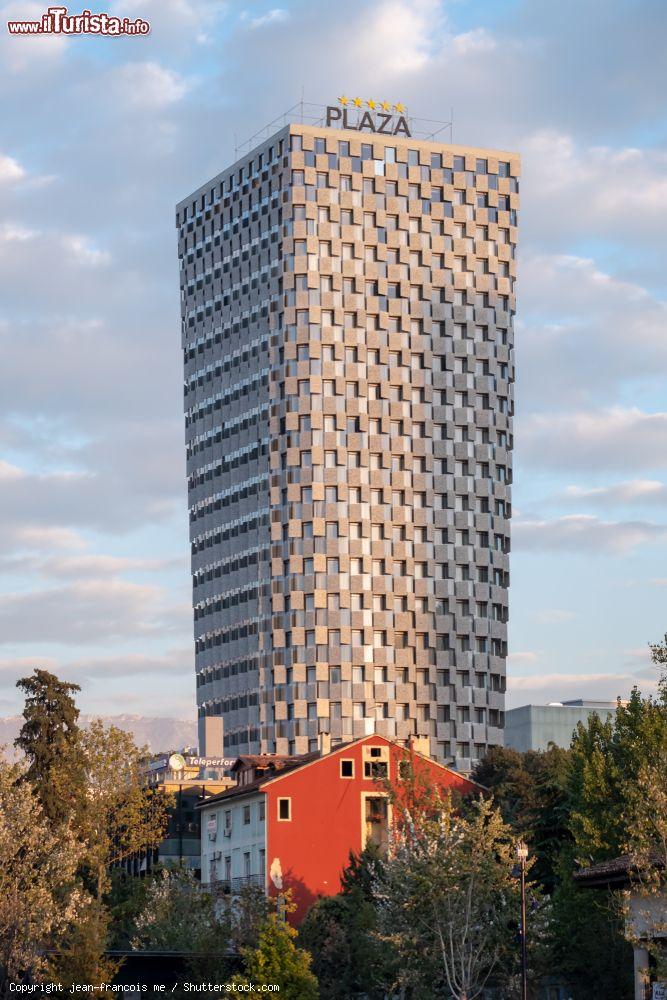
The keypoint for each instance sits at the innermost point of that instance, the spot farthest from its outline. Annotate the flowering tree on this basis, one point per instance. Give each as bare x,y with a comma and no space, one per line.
117,816
447,898
38,894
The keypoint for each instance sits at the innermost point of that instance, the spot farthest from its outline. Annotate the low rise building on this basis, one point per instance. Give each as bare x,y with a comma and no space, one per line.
289,823
188,780
534,727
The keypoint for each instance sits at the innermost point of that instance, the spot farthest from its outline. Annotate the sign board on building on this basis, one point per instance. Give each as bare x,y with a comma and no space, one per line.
659,991
368,116
210,761
182,762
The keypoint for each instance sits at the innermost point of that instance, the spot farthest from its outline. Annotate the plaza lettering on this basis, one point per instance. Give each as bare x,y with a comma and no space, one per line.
379,122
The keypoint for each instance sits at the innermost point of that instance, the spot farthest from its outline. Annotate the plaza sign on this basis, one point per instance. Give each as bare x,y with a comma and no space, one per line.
377,116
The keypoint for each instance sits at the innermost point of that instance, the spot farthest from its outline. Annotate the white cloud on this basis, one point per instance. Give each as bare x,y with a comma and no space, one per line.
34,55
12,233
635,491
98,611
541,689
618,438
554,616
276,16
84,252
602,191
522,658
477,40
589,329
148,86
10,170
585,533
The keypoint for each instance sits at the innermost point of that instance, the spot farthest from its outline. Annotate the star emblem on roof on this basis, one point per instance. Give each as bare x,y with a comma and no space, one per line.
400,108
372,104
343,100
357,102
386,106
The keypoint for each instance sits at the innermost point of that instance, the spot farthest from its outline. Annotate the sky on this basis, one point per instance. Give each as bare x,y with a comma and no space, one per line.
100,137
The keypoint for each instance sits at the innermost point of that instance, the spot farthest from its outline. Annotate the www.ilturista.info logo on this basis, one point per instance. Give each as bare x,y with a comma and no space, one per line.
56,21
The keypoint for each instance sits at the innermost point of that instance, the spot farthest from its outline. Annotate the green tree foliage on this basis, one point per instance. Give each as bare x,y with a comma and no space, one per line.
614,791
446,899
49,740
81,956
587,942
39,897
531,791
88,787
607,758
118,816
277,960
179,915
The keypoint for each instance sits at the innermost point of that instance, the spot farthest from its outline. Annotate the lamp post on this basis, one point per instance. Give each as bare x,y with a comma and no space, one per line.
522,857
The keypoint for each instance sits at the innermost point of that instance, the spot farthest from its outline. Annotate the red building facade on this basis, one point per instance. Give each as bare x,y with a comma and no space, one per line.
310,812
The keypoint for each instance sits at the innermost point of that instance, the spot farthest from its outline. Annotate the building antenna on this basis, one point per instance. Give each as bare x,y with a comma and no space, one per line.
451,124
302,96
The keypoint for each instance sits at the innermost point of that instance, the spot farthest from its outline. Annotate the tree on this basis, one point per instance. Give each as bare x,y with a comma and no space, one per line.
118,817
531,791
277,961
81,956
39,898
49,739
606,760
646,823
446,898
180,915
613,795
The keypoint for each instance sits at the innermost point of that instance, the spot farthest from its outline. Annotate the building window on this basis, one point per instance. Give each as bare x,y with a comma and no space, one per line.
246,864
376,763
284,810
246,815
347,769
262,809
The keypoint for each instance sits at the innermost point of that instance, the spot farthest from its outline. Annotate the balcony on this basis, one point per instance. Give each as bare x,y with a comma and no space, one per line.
227,886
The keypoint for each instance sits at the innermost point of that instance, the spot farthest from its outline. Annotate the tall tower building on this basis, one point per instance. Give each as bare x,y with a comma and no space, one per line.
347,314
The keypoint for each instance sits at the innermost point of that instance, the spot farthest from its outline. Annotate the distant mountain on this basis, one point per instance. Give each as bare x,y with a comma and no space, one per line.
159,734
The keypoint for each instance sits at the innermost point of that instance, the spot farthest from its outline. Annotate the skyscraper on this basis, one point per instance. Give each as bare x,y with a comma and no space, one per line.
347,311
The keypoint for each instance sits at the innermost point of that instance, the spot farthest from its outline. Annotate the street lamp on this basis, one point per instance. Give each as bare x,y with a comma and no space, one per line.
522,857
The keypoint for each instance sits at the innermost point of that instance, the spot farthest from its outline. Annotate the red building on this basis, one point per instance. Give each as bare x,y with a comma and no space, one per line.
291,822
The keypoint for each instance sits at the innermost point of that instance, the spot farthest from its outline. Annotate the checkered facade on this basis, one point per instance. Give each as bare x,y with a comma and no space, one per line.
347,306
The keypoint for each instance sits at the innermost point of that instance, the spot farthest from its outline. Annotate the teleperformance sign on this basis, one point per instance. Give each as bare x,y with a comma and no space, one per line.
179,762
368,116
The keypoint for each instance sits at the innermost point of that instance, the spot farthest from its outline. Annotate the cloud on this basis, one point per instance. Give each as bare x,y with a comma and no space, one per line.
591,330
544,688
98,611
35,55
554,616
10,170
148,86
603,191
522,658
631,492
609,439
477,40
584,533
276,16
